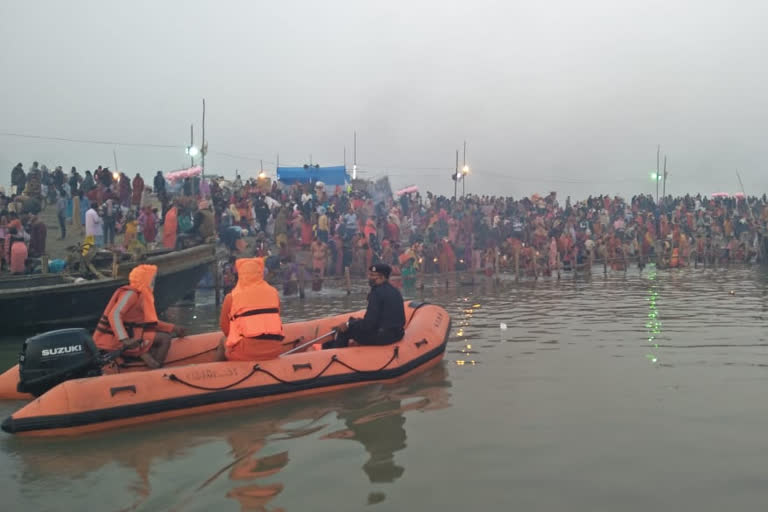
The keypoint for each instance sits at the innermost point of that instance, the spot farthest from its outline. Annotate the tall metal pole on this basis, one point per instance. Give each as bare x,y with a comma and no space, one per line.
658,149
456,178
463,174
191,143
354,159
664,186
202,146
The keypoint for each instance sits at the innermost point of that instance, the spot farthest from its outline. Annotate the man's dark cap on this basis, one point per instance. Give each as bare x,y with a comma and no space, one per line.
381,268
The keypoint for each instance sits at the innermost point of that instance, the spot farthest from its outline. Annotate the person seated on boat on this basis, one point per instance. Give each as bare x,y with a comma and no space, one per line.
250,316
130,321
384,320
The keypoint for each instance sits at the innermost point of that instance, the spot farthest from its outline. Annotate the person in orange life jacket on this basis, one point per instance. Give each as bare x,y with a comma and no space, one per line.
250,316
130,321
384,320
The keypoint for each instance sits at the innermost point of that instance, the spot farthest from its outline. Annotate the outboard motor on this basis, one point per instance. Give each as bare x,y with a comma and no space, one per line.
49,359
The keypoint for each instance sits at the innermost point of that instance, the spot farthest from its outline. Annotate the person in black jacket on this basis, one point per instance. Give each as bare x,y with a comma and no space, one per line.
159,184
384,320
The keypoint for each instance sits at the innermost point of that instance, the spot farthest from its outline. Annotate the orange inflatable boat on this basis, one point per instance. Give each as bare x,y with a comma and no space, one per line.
193,383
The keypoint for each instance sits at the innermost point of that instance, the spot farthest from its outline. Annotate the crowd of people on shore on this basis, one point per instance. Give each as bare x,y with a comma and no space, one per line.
348,227
106,208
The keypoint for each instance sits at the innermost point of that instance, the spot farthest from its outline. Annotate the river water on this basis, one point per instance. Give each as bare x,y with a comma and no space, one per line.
620,392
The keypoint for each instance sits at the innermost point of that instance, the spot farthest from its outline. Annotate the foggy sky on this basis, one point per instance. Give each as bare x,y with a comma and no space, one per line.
550,95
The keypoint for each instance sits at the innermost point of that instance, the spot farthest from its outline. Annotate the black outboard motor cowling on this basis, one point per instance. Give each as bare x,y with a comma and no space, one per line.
49,359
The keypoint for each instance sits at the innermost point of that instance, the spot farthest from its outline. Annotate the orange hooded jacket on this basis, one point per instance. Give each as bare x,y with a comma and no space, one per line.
252,310
131,307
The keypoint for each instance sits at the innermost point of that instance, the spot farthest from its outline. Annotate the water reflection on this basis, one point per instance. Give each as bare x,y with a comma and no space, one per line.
379,426
374,416
654,324
375,419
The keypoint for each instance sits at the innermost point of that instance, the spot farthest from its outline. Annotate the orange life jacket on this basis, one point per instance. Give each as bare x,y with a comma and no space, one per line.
255,310
131,306
132,315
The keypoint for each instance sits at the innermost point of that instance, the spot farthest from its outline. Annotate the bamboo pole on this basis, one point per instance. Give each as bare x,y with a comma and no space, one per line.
624,258
348,280
301,281
216,281
516,257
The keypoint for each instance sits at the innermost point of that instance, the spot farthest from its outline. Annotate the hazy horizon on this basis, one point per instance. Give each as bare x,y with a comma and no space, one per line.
556,95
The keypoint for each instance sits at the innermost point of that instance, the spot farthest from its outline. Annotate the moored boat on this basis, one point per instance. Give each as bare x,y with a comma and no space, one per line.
130,397
42,302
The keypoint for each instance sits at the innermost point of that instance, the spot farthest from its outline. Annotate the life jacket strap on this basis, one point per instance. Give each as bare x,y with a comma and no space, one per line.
276,337
141,325
264,311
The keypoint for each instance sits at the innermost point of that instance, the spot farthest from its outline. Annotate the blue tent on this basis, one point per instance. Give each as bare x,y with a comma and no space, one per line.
310,174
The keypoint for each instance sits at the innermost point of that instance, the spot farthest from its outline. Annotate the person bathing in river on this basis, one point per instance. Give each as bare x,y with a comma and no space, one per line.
319,256
130,321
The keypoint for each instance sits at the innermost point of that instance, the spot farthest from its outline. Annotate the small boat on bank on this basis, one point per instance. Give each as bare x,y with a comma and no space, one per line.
138,395
42,302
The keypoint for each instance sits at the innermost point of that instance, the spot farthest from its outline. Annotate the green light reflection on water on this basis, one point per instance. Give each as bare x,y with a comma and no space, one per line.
653,325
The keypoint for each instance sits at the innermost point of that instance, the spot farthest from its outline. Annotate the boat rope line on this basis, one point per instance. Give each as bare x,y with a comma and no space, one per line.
257,368
174,378
355,370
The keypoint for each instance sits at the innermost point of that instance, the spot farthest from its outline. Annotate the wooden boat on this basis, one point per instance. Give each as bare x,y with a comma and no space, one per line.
42,302
139,396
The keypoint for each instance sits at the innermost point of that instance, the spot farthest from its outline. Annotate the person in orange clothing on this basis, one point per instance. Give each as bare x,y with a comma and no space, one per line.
130,321
250,316
170,227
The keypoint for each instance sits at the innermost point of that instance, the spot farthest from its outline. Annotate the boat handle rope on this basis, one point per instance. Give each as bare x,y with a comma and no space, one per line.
172,377
256,369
